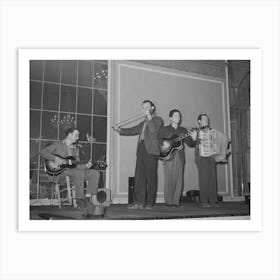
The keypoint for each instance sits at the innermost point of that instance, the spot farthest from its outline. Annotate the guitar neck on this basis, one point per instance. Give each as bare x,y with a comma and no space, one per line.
80,161
74,161
183,136
85,161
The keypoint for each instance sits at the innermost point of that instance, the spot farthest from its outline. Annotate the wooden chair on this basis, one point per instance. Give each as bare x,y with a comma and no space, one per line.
70,198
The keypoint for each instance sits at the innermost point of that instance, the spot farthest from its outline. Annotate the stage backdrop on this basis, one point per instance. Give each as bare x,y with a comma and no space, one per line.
192,94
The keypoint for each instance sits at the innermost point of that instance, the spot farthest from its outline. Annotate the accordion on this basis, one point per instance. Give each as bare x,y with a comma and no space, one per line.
213,143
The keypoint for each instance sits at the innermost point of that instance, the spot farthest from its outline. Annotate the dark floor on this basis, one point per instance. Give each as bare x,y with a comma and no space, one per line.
159,211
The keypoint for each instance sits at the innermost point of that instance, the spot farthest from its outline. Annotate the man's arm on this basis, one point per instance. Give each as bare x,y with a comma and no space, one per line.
191,139
134,130
81,166
190,142
162,135
48,152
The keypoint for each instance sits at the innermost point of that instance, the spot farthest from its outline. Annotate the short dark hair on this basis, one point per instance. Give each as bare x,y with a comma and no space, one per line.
172,112
203,115
149,101
69,130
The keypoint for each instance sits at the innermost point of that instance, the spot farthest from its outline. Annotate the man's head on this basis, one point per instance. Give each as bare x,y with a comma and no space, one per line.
72,134
203,120
148,107
175,116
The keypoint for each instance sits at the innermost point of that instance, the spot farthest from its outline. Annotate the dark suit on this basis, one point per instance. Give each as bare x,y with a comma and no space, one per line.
146,164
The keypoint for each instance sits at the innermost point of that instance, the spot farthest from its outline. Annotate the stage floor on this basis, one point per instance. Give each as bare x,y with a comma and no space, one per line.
226,210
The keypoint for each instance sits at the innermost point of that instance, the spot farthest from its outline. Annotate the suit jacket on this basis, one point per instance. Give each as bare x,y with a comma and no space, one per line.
150,134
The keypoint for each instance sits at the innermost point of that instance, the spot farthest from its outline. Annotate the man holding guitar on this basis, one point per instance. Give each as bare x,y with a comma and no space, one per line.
63,154
171,140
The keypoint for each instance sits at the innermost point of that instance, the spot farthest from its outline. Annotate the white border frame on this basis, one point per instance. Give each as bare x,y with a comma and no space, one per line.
254,224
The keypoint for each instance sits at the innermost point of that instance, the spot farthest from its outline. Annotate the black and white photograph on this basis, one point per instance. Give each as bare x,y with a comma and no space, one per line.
152,140
188,150
139,139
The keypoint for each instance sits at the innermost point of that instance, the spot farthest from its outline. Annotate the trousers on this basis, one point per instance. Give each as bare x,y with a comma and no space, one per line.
173,180
79,176
207,179
145,177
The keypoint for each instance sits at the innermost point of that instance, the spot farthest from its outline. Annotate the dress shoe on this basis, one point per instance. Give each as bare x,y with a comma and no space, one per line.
205,205
214,205
90,209
135,206
148,207
168,205
81,203
97,211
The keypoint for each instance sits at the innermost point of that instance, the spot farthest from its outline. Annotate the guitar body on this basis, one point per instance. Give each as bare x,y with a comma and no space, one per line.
53,169
176,144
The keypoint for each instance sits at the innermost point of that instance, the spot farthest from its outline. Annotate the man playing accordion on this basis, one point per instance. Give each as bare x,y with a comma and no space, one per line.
210,148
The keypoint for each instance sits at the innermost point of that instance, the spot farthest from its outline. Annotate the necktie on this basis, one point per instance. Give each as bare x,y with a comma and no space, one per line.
143,129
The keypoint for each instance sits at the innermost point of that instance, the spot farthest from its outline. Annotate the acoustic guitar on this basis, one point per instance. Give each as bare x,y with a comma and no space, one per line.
53,169
175,144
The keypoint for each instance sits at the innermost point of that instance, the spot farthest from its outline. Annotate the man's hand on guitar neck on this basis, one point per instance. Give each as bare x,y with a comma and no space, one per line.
193,135
89,164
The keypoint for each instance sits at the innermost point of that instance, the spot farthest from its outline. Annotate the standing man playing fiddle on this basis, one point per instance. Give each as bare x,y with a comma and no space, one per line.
147,151
173,168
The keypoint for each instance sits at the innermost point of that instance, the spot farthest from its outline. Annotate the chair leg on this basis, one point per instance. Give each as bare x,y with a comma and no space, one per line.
75,205
86,186
58,195
69,196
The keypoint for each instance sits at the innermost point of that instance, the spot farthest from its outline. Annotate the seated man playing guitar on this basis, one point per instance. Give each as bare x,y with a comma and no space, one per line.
57,155
171,141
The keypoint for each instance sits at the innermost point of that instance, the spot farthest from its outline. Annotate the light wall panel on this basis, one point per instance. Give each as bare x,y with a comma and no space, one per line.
192,94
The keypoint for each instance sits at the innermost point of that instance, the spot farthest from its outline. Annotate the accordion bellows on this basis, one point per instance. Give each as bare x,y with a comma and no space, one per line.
213,143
